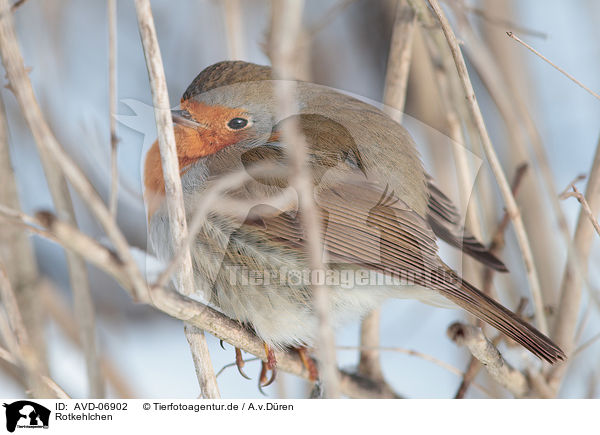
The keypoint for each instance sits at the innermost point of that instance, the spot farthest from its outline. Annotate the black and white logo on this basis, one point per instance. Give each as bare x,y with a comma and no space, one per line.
26,414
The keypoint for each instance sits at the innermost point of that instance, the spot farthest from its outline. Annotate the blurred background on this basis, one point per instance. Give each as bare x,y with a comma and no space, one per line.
65,43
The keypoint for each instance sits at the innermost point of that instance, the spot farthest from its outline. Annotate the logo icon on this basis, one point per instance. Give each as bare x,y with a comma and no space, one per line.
26,414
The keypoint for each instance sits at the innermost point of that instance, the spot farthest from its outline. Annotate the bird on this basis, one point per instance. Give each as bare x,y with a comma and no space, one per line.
380,213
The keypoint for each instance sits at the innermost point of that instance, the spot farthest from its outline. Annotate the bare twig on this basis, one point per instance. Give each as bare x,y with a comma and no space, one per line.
17,251
497,73
453,109
369,364
172,182
488,275
16,5
424,356
498,237
285,31
586,344
112,106
58,310
21,86
197,342
497,77
52,386
569,76
483,349
222,327
206,318
169,301
166,142
475,365
394,97
496,167
72,239
579,196
398,67
214,195
488,68
15,334
328,16
499,21
234,28
571,288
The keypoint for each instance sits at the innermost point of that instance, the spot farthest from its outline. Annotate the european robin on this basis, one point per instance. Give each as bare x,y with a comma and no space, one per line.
380,212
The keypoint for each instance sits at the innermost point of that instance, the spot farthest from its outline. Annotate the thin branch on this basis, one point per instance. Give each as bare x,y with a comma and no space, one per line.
328,17
17,251
488,276
454,109
398,67
394,97
15,334
21,86
166,142
369,363
586,344
494,82
509,200
72,239
498,237
497,76
424,356
490,71
168,301
172,182
286,22
16,5
112,106
50,384
234,28
202,209
569,76
214,195
58,311
484,350
579,196
499,21
197,342
571,288
224,328
474,365
11,307
206,318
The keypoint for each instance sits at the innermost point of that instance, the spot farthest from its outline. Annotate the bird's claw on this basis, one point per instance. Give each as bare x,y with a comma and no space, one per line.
309,364
239,362
263,381
270,364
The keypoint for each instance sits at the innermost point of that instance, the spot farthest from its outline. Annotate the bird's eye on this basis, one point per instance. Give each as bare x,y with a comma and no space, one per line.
237,123
186,114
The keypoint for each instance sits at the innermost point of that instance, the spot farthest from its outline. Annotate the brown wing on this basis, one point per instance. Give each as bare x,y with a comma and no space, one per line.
363,223
444,219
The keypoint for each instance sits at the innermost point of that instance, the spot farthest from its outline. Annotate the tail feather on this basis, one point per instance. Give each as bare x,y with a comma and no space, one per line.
485,308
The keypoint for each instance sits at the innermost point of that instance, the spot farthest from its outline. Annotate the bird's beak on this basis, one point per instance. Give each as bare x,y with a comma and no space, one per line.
179,118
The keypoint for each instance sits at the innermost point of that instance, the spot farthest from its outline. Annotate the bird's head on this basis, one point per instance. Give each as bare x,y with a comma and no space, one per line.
229,103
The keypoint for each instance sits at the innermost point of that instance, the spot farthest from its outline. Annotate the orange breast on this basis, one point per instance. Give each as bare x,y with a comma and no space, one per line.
192,144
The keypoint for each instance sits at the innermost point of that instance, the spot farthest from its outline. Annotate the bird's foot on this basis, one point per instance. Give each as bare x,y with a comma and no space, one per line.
309,363
269,365
239,362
